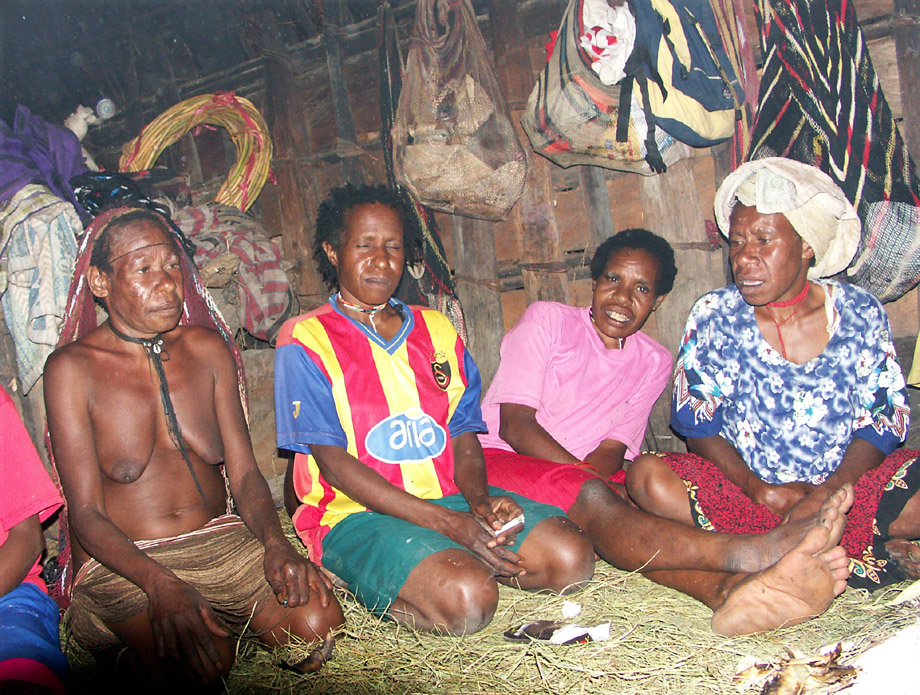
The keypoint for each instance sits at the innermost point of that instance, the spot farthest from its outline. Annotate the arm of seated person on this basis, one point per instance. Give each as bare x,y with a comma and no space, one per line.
368,488
520,429
292,577
608,457
860,457
778,498
22,547
181,620
493,511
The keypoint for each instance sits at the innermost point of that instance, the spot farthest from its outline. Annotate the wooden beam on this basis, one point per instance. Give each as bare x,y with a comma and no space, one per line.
479,291
722,167
289,205
699,268
133,109
333,38
187,147
533,218
596,201
683,225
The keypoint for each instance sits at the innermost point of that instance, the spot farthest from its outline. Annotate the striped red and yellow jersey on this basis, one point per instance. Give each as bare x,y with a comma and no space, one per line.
393,405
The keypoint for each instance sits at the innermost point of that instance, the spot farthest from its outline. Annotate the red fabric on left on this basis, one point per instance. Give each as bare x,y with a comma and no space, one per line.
25,487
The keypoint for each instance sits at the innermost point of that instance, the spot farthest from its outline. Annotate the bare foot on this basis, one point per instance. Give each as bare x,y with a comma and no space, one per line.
318,656
906,556
800,586
753,553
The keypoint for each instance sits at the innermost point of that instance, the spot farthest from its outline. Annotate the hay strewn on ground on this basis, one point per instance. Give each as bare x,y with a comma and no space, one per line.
660,644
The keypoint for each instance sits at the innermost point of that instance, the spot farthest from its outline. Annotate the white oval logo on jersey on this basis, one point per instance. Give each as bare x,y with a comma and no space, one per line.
408,437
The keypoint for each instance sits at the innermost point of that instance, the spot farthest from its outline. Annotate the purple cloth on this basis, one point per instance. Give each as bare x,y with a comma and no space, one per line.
35,151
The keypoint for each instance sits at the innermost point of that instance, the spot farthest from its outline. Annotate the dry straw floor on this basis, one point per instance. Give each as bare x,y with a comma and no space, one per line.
660,643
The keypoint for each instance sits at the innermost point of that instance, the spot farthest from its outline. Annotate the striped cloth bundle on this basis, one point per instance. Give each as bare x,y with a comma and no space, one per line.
821,103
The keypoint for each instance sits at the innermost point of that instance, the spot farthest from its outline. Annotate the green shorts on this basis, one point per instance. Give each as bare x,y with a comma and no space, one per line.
375,553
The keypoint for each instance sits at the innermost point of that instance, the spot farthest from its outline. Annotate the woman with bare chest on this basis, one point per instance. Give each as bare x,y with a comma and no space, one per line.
140,411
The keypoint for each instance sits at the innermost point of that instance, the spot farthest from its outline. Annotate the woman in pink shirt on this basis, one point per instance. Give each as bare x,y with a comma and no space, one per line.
576,384
570,403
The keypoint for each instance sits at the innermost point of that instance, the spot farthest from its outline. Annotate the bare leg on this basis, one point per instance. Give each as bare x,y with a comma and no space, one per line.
139,663
557,557
632,539
800,585
903,530
907,556
907,525
657,489
275,624
451,592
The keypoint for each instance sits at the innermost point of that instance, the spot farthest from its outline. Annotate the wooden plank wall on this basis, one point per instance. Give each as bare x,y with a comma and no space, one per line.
541,251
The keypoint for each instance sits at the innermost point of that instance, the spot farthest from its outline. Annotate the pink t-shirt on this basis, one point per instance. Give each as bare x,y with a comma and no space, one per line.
25,487
554,361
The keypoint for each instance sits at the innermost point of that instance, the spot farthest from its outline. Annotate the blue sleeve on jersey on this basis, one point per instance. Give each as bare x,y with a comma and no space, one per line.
305,411
468,415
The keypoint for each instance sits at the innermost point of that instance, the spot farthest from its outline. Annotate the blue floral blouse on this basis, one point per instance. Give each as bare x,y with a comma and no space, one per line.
790,422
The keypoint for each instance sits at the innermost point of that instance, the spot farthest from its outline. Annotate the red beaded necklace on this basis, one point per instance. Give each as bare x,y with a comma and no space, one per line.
797,301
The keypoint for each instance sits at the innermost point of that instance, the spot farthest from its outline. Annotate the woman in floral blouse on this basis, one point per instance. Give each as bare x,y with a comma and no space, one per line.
787,386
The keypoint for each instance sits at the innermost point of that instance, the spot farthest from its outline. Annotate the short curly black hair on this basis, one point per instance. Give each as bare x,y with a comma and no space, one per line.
330,221
639,239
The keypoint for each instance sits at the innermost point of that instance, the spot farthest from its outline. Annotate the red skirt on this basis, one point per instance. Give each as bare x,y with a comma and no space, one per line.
881,493
544,481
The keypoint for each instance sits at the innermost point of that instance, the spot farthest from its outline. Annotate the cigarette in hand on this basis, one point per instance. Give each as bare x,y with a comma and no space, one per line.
516,521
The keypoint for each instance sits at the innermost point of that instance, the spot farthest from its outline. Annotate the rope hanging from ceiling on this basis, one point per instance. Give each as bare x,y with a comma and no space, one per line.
237,115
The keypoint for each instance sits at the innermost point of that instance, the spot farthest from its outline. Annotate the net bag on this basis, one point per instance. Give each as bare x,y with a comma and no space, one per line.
454,146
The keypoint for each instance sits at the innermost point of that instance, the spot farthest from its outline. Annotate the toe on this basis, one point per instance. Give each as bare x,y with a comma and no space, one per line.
910,569
903,550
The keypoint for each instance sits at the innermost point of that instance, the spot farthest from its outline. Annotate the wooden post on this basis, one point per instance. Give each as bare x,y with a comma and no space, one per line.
479,291
333,40
699,268
533,218
596,200
289,205
187,155
907,47
683,225
722,167
134,113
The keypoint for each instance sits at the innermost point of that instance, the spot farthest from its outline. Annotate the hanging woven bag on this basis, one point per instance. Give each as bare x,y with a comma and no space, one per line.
454,146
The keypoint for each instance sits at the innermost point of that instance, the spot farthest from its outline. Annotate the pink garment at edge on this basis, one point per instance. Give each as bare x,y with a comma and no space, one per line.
554,361
25,487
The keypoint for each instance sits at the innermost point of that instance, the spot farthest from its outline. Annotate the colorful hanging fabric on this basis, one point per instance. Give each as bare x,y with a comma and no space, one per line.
821,103
729,16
